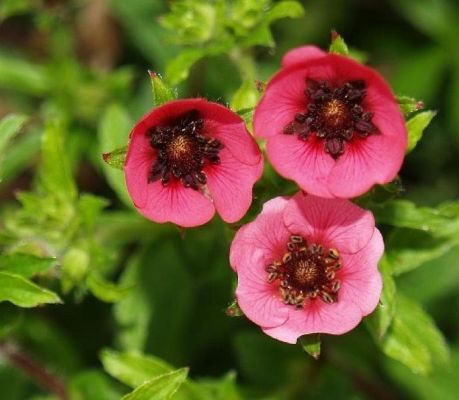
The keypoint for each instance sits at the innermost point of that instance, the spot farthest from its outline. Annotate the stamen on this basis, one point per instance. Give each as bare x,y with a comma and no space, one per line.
183,150
306,273
334,114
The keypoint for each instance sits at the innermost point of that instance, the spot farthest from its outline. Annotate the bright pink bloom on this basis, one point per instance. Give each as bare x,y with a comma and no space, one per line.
188,158
332,125
308,265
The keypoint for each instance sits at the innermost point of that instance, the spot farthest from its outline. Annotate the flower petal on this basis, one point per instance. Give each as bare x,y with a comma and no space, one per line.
227,127
264,239
139,159
175,203
301,55
334,223
376,159
260,300
305,162
317,317
361,281
283,99
230,184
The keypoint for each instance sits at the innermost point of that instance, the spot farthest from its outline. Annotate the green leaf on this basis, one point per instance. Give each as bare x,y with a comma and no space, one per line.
25,265
105,290
116,158
21,75
311,345
416,126
380,320
246,97
113,133
9,126
161,92
9,8
90,208
405,214
131,368
162,387
338,45
284,9
179,67
92,384
23,293
413,339
55,174
407,249
408,104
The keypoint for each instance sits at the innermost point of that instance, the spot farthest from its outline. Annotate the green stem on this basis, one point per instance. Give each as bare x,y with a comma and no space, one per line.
243,60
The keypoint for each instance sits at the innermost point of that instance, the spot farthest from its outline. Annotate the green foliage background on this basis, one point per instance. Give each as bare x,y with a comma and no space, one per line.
98,303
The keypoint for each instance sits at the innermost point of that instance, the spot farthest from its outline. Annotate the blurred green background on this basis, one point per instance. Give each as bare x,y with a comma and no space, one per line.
84,64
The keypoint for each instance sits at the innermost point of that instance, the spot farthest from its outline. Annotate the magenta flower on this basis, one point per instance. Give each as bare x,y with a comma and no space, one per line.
308,265
332,125
188,158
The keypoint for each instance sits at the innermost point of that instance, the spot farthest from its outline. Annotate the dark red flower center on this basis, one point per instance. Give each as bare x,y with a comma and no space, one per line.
183,150
306,272
334,114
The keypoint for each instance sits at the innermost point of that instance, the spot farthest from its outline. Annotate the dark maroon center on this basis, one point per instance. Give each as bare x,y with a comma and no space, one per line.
183,150
306,272
334,114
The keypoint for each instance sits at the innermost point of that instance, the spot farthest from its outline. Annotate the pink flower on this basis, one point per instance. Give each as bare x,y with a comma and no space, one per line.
332,125
308,265
188,158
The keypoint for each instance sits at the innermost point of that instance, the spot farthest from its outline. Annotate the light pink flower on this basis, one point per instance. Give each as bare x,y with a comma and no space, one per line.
332,125
188,158
308,265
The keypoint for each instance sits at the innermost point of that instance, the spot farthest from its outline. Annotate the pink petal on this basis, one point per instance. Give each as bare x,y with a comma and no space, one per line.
260,300
318,317
334,223
226,126
283,99
265,239
230,184
305,162
376,159
360,279
175,203
139,160
358,296
301,55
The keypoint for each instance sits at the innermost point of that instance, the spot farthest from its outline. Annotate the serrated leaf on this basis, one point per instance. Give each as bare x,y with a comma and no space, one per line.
179,67
162,387
105,290
116,158
25,265
338,45
413,338
379,321
24,293
90,207
311,345
55,173
284,9
113,133
162,93
408,104
416,126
